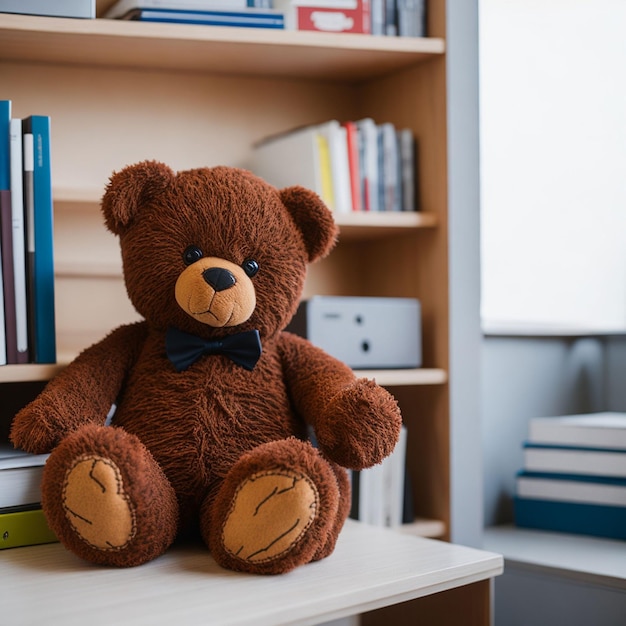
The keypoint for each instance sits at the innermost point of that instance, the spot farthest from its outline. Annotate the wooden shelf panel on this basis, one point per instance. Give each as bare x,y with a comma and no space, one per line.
388,378
370,568
403,377
259,52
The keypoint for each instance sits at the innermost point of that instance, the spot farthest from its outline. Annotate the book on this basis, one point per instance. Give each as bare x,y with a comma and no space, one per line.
24,526
122,7
598,430
574,460
58,8
368,139
406,146
20,476
18,240
389,190
247,18
354,157
297,157
602,490
42,287
5,206
28,154
333,16
8,277
411,16
571,517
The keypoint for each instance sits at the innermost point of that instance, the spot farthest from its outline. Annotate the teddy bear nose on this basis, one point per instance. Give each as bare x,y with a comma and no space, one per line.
219,278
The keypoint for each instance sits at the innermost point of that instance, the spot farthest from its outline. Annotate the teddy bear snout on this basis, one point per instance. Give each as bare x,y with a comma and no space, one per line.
219,278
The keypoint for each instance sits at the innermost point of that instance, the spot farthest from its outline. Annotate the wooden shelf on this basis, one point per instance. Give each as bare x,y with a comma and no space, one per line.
387,378
182,47
576,557
370,568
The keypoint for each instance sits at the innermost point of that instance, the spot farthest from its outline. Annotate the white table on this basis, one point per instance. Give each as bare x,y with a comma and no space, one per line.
370,568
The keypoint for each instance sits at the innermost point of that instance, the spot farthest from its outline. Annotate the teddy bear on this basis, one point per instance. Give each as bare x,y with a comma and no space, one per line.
213,403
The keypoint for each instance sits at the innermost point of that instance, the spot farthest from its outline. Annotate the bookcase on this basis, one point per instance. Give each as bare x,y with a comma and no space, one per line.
121,92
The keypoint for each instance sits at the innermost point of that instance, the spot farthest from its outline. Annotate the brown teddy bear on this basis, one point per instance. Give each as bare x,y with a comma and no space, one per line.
213,399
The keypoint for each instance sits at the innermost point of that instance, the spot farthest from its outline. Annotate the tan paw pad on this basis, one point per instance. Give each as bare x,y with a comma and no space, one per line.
96,505
271,511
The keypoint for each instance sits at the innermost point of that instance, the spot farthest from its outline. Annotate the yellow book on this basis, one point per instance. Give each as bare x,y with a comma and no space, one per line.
326,174
24,528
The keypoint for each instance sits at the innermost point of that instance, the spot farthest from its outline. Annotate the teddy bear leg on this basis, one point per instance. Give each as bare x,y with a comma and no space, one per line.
107,499
276,509
345,504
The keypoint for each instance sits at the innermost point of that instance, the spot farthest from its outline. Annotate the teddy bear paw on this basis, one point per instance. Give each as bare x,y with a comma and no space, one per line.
271,512
96,505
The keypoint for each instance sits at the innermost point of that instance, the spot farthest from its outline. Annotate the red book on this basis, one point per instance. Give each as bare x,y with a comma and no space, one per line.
334,16
352,138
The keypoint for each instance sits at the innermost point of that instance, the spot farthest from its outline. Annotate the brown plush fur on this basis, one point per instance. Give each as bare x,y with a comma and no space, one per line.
214,446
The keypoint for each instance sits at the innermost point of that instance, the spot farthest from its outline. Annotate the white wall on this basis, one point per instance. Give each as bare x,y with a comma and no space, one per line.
553,163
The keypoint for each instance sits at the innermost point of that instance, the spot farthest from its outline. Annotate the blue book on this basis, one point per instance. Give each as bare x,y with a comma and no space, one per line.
246,18
5,204
571,517
42,277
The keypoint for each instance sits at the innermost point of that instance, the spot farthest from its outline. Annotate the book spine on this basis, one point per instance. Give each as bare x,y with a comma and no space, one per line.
18,240
8,281
43,286
24,528
5,197
29,222
353,163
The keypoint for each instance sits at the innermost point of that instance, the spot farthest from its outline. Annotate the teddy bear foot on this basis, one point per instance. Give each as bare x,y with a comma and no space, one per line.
113,505
96,504
277,509
270,513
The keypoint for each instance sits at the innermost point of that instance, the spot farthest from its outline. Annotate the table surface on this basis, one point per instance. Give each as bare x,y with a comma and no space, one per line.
370,568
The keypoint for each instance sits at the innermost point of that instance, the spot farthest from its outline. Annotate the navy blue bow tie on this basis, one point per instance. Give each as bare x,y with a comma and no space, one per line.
184,349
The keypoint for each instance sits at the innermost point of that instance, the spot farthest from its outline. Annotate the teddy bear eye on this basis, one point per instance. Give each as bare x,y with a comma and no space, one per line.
192,254
250,267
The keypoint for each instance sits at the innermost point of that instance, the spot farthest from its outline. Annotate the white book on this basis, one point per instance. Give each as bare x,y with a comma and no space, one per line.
567,489
58,8
119,9
594,430
19,252
368,136
390,161
20,476
571,460
292,158
394,466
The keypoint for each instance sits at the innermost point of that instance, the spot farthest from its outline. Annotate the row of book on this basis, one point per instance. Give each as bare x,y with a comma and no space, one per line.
381,494
574,475
353,166
27,323
405,18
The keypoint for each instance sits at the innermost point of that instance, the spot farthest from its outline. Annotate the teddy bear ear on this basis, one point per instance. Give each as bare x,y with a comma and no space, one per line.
313,218
131,187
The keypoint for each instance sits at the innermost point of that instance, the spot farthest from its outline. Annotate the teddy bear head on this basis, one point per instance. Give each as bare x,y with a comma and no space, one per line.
214,251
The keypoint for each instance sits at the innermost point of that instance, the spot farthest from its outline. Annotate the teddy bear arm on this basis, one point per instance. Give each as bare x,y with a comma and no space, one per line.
356,422
82,393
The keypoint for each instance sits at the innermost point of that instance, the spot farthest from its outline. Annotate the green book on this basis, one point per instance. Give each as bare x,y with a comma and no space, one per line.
24,527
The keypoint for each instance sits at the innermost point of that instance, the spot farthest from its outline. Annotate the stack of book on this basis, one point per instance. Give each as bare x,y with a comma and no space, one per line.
353,166
27,325
242,13
22,522
574,476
